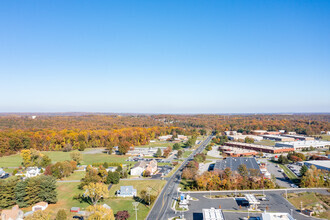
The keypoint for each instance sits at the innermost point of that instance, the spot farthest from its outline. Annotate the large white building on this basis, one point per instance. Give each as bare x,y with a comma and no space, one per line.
242,137
299,145
319,164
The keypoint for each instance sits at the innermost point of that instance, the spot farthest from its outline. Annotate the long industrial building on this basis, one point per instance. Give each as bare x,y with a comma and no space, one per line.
298,137
276,137
319,164
261,148
299,145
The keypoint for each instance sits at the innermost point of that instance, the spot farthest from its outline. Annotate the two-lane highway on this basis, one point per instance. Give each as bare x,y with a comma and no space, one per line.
161,210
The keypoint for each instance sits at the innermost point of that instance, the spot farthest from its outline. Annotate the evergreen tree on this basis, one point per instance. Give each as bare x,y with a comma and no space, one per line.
32,191
303,170
61,215
48,191
20,193
158,153
7,193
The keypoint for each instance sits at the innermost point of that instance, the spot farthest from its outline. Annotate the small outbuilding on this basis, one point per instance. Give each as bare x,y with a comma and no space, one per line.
75,209
40,206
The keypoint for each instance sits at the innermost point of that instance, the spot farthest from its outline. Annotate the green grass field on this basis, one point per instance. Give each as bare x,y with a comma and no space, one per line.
157,144
325,137
118,204
186,153
78,175
290,174
66,192
56,156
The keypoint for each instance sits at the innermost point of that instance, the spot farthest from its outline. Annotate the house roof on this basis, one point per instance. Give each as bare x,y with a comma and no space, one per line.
11,213
127,190
41,204
144,164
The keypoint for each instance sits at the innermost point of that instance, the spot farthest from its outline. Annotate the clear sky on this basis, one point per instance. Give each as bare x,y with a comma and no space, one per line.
165,56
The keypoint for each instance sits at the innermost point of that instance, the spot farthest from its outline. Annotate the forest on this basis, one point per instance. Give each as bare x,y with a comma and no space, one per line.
65,132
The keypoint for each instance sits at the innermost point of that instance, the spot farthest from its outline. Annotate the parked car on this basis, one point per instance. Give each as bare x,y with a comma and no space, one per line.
5,176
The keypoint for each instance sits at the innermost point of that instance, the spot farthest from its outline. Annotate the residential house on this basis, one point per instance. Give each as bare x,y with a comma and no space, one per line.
142,166
111,169
126,191
12,214
32,172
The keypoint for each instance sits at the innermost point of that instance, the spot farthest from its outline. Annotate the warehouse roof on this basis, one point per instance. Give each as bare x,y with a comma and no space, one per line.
234,162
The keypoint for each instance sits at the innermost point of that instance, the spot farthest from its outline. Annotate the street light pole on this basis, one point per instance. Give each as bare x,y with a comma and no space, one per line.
135,204
286,193
291,213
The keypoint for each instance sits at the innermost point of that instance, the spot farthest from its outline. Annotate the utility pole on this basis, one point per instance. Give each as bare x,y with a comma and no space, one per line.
291,213
300,206
135,204
148,193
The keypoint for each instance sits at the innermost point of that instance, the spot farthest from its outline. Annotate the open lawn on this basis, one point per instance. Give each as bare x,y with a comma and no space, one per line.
325,137
174,169
309,199
126,204
157,144
78,175
186,153
118,204
56,156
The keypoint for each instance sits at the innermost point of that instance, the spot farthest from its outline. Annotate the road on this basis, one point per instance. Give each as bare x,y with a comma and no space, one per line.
162,207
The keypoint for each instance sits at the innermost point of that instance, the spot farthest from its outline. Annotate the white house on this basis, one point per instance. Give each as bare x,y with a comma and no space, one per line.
111,169
141,166
126,191
40,206
32,172
2,172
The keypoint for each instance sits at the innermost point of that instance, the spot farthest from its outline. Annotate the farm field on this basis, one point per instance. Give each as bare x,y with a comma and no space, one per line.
55,156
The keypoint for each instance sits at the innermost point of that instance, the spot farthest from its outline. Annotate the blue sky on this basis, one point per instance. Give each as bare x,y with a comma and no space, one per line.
165,56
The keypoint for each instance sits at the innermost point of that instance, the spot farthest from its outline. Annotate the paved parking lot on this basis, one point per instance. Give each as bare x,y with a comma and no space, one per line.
295,169
280,179
276,203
